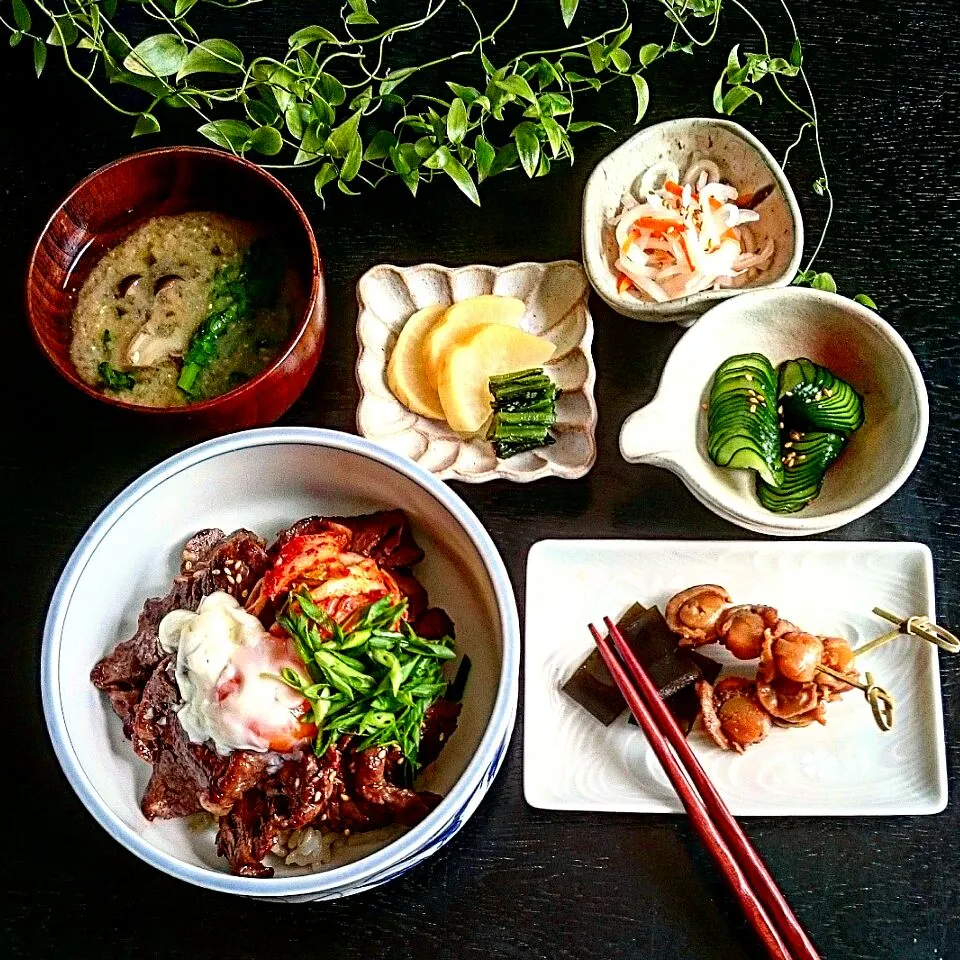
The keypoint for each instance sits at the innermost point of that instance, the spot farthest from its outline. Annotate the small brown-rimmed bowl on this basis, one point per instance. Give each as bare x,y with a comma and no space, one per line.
115,200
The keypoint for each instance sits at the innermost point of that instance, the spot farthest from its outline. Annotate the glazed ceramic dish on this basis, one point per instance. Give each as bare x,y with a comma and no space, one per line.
848,767
555,295
852,341
744,163
263,480
106,207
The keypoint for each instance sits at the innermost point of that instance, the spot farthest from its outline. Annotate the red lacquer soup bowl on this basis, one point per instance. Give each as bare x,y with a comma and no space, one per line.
115,200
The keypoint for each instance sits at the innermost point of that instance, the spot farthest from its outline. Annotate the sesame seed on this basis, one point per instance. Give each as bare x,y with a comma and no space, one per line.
346,832
217,573
245,592
780,409
788,444
188,566
748,376
345,797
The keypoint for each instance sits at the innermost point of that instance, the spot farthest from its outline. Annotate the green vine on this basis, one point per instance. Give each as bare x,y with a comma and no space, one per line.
334,101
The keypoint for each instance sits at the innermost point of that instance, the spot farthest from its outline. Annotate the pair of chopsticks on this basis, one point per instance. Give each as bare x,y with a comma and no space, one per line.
763,904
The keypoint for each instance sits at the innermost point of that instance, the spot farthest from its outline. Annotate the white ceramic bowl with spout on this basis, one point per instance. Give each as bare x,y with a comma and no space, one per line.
852,341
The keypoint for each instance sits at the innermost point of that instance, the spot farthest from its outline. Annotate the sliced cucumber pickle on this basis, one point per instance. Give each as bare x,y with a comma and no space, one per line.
814,399
805,464
742,417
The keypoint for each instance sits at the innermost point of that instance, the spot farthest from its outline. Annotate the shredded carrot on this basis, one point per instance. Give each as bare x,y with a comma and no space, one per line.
624,283
729,235
686,252
673,188
745,200
715,204
657,226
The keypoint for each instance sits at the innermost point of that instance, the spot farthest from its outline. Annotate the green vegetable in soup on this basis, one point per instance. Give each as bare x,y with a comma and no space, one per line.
238,290
113,378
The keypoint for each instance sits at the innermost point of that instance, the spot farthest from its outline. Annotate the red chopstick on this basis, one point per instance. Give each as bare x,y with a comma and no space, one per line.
763,904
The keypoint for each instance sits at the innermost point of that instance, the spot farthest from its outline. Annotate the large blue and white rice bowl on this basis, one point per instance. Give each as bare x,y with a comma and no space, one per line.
264,480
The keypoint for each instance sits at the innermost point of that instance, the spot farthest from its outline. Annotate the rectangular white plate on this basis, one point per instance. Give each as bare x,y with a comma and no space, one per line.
846,768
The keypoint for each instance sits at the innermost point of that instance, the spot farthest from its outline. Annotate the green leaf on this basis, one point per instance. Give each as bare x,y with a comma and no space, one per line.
361,18
21,15
568,10
733,62
456,171
325,175
575,77
506,157
330,88
519,87
555,134
620,59
485,155
212,56
737,96
146,123
595,52
820,186
310,35
351,166
343,137
63,33
528,147
718,94
796,54
457,121
266,140
379,147
548,74
642,91
578,125
553,104
15,38
160,55
865,300
180,8
648,53
395,78
39,56
466,94
232,134
824,281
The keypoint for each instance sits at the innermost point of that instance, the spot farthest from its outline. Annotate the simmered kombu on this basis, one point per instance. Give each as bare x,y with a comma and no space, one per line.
674,671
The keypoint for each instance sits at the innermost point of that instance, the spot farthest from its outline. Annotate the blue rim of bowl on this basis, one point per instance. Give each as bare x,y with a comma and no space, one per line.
406,850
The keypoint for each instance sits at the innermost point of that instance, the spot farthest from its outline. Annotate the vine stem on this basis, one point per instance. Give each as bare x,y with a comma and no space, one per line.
812,120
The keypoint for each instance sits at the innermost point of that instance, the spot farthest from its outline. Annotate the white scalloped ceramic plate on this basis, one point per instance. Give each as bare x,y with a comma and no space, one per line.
846,768
556,298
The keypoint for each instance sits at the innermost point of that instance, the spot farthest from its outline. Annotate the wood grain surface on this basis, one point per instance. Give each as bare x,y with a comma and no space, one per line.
516,882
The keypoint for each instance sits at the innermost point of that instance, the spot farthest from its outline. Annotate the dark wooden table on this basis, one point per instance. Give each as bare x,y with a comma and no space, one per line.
516,882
